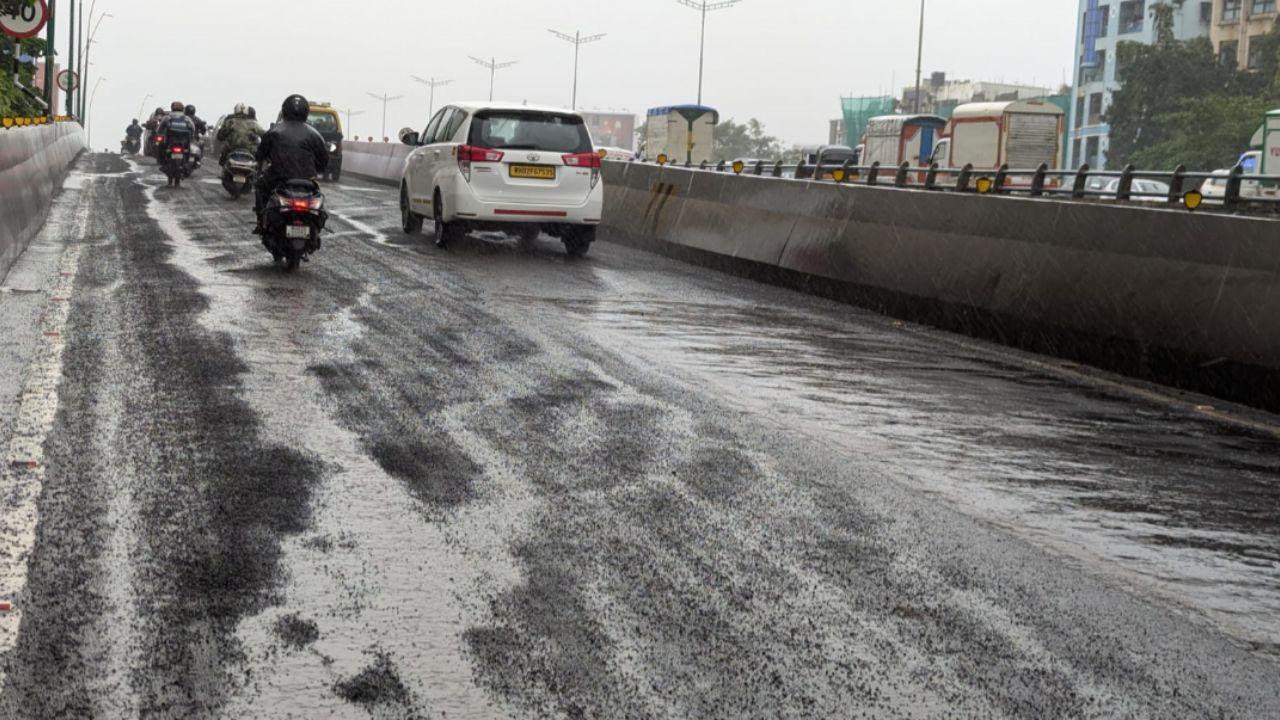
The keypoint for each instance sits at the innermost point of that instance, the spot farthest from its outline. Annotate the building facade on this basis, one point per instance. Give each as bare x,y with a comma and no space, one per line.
1234,26
1103,25
940,96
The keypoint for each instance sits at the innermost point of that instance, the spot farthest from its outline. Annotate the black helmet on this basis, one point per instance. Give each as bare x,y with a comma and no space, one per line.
253,112
135,121
190,111
296,108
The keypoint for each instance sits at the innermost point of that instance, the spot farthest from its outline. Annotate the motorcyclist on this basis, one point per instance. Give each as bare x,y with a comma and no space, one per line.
133,134
201,126
176,125
152,125
294,150
239,132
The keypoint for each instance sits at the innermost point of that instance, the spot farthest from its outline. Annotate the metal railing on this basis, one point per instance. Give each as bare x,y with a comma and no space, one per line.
1240,192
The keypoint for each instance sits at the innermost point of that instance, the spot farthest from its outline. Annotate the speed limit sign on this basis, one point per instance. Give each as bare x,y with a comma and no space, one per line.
27,22
68,81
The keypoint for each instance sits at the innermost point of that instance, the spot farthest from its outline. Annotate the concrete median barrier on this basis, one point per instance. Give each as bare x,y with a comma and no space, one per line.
1183,298
34,161
379,162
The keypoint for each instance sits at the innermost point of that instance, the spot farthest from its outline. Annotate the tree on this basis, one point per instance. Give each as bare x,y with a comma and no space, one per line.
1202,133
13,101
747,140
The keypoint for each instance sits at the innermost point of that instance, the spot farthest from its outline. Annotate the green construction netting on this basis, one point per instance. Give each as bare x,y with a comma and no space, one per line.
857,111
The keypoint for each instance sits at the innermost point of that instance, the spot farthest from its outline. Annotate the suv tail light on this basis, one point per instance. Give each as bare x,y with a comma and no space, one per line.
585,160
468,154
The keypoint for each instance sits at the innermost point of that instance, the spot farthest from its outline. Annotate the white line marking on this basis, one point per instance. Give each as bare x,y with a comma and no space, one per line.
22,474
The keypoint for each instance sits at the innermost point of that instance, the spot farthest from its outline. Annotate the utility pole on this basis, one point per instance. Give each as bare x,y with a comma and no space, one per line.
71,58
84,48
143,107
89,128
704,7
433,84
50,58
494,66
578,41
384,99
919,57
84,56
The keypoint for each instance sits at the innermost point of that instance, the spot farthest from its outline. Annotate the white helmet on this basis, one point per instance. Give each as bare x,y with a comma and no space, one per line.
241,109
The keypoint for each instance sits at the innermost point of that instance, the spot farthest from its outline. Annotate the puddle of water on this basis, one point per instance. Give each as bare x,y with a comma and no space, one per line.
1186,505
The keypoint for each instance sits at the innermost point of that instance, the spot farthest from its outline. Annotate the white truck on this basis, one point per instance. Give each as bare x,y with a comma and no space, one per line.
894,139
681,133
1021,134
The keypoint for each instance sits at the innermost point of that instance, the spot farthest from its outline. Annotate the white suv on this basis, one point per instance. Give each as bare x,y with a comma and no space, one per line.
515,168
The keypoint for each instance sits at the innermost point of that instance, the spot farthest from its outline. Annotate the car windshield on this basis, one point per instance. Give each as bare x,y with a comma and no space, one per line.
524,130
323,122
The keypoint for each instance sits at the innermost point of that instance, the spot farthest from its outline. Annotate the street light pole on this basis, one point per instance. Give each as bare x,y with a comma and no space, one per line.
433,84
919,57
349,113
143,107
578,41
71,58
494,66
704,7
384,99
50,58
93,34
89,128
84,48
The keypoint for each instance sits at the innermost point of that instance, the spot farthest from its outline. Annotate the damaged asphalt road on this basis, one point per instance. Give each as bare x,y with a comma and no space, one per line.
494,482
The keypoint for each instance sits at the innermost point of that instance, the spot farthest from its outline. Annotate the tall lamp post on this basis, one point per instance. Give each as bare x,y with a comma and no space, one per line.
349,113
919,56
494,66
84,57
89,128
433,84
143,107
577,40
704,7
71,56
384,99
50,58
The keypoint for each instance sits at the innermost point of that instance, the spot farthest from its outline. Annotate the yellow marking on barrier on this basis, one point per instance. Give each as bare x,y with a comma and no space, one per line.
838,175
984,185
662,159
738,167
1193,199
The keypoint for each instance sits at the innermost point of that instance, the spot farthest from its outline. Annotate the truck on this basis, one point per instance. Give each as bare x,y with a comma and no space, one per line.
681,133
1020,133
894,139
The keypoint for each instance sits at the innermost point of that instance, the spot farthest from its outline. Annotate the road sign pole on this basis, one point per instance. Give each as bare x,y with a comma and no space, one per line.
50,56
71,53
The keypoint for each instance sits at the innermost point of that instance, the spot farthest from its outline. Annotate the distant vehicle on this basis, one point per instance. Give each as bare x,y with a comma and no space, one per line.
827,158
683,133
515,168
1021,134
1141,190
328,122
894,139
292,222
614,153
1214,189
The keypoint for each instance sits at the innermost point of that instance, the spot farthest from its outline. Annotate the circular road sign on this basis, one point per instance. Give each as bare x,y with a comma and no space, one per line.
27,22
68,81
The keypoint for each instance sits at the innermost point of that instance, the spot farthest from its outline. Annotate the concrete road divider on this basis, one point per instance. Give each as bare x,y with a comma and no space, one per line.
1161,293
34,162
379,162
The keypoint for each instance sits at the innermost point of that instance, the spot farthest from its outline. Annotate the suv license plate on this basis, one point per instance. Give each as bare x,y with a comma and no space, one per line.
533,172
301,232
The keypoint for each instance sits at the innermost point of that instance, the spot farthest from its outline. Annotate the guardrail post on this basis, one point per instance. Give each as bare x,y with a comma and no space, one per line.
1232,195
931,177
720,166
702,165
1125,189
900,178
873,173
1037,180
759,167
1002,174
963,179
800,166
777,169
1081,182
844,168
1175,184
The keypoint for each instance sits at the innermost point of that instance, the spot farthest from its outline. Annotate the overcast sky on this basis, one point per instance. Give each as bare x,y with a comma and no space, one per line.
786,62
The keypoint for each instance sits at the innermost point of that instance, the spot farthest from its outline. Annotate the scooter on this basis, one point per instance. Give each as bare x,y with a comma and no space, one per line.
237,172
130,146
292,222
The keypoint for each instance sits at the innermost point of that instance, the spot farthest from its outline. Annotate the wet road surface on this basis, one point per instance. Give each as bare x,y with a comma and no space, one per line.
493,482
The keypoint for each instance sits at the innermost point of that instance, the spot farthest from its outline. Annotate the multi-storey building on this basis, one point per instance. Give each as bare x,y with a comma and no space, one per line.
1104,24
1234,26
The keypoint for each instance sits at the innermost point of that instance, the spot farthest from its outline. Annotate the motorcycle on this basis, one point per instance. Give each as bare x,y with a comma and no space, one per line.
130,146
175,157
292,222
237,172
195,156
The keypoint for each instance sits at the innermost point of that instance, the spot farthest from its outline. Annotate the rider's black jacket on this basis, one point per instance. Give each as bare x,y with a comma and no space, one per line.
133,131
295,150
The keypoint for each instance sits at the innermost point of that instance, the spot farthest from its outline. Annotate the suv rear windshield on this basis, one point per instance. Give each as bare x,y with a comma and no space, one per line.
323,122
525,130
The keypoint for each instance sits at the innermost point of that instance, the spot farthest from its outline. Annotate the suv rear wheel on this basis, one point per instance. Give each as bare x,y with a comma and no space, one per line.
578,239
446,232
410,221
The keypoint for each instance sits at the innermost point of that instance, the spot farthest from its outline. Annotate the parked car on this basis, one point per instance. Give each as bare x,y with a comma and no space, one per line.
1214,189
1141,190
827,157
515,168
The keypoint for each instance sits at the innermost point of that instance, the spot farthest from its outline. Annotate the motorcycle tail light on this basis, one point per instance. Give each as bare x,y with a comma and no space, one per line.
177,149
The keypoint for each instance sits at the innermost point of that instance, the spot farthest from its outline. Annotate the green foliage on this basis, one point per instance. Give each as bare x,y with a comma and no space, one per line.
13,101
746,140
1179,105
